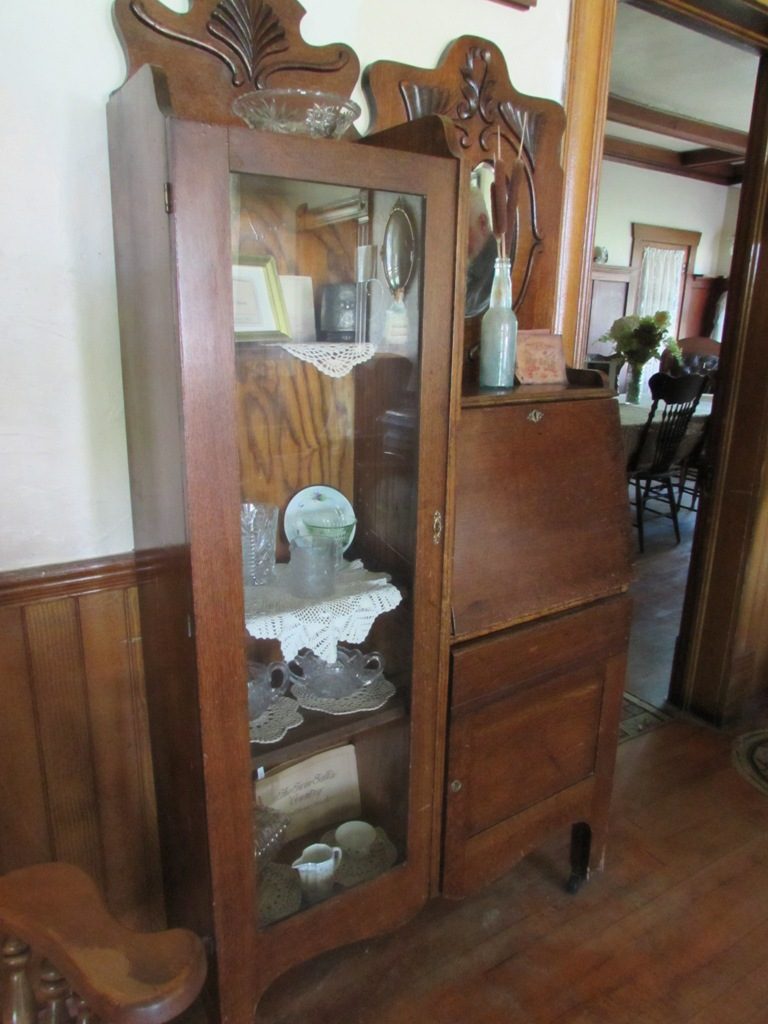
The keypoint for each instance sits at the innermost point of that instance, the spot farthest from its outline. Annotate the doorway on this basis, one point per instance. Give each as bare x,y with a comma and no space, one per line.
684,687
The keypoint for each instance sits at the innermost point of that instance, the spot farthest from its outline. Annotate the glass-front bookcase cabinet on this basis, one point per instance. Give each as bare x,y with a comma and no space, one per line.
286,325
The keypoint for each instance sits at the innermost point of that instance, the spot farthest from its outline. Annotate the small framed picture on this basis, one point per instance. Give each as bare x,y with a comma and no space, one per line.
540,358
260,313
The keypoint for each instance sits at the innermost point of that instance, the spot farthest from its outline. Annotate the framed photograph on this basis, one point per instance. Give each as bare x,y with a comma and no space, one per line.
540,358
260,313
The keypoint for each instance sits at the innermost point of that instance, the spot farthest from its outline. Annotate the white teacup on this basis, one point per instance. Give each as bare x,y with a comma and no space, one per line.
355,838
316,867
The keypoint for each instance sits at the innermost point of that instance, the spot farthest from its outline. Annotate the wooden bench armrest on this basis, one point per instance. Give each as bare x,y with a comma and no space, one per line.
124,976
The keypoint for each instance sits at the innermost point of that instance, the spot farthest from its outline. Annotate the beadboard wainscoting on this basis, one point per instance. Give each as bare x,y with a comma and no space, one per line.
75,770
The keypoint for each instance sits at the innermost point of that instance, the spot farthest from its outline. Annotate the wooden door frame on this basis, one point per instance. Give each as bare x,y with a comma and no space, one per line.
722,660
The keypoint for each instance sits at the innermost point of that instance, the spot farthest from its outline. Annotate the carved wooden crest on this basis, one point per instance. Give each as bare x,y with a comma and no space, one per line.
221,48
471,88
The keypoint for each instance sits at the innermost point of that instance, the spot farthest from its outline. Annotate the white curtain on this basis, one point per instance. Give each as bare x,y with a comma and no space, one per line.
660,276
661,273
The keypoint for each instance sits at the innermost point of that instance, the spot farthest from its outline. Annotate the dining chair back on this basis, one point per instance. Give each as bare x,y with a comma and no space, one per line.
653,461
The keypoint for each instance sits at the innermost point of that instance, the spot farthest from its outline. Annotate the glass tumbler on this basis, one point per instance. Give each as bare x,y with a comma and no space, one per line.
312,568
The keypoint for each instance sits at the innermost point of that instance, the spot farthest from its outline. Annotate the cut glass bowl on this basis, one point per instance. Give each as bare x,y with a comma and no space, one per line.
297,112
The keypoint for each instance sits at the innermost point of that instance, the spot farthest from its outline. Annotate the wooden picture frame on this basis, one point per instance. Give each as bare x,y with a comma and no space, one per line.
258,302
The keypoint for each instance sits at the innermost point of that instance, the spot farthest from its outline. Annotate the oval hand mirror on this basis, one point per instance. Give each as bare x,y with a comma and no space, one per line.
398,250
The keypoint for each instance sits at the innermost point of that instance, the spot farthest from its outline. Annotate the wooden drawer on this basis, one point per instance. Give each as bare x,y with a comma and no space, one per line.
512,658
532,738
542,520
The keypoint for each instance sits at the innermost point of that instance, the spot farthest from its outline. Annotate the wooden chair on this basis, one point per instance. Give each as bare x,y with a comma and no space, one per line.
56,927
652,464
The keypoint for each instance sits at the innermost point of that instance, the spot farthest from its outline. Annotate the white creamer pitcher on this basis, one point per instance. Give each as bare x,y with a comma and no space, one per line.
316,867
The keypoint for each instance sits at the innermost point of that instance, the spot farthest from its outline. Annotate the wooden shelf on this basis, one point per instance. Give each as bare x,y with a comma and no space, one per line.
580,384
320,732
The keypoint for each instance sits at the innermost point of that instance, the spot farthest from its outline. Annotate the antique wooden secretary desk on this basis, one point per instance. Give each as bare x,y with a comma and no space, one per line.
480,605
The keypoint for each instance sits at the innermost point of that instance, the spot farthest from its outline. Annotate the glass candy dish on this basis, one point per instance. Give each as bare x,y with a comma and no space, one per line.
271,712
354,682
297,112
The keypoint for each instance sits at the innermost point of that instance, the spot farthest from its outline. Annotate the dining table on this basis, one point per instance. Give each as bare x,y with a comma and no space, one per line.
633,417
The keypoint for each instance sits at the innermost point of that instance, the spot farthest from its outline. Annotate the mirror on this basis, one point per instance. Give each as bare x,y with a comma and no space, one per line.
398,250
481,245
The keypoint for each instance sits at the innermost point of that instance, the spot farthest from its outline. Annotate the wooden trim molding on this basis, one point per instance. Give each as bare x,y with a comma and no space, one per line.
589,57
26,586
720,666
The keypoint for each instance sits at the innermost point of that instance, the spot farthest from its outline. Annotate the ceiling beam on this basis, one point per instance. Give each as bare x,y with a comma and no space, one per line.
707,157
655,158
742,23
674,125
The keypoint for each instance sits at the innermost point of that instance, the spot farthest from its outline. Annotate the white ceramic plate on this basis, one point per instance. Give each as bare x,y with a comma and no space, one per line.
315,499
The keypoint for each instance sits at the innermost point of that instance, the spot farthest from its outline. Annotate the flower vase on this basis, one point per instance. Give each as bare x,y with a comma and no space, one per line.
634,378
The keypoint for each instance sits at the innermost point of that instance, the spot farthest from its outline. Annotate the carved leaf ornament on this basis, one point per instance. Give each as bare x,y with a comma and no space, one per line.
246,35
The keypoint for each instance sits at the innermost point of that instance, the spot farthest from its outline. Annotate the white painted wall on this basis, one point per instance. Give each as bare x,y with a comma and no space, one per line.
630,194
64,480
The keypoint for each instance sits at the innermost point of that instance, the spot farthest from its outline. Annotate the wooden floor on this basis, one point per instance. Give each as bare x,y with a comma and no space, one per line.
658,588
675,929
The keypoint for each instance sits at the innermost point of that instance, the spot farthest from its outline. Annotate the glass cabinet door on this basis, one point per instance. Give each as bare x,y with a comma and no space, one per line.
327,304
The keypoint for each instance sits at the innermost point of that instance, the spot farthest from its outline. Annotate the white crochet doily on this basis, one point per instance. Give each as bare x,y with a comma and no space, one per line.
357,868
273,613
279,893
271,725
333,358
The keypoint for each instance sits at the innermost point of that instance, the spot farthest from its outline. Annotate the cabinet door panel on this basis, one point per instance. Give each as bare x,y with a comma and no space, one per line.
524,748
532,739
542,520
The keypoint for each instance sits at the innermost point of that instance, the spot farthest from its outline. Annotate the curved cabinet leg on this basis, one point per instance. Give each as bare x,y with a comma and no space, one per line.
581,848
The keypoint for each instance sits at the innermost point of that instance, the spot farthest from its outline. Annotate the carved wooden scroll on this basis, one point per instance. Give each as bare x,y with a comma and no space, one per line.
222,48
471,87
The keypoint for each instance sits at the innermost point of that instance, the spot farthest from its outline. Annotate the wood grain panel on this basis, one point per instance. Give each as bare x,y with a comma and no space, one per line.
24,828
544,557
75,773
511,659
58,681
295,424
537,742
118,722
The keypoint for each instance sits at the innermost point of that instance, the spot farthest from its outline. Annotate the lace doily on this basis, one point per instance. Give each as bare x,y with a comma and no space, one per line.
271,725
273,613
367,697
333,358
279,893
355,869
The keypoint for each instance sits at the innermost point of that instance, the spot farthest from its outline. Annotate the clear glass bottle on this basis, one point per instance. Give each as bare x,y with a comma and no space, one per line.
498,331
